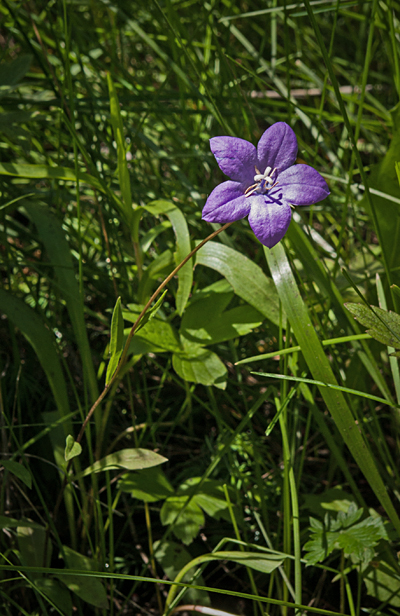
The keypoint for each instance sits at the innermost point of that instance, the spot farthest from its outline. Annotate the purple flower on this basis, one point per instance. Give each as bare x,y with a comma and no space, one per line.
264,183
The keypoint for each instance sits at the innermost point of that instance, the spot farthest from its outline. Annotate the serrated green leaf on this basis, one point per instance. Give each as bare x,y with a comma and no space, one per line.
199,365
382,325
210,497
116,340
19,470
128,459
247,279
189,522
72,448
150,485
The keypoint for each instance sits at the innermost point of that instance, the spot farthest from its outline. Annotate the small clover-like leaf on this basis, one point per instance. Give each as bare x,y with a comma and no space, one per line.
72,448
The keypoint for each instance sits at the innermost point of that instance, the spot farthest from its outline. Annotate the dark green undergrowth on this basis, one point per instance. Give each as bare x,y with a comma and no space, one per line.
248,445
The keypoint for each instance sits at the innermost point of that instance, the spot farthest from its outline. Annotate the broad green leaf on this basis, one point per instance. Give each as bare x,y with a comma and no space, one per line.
183,247
118,130
156,336
266,563
19,470
210,497
160,267
6,522
72,448
199,365
247,279
43,343
321,370
42,172
51,233
382,325
89,589
116,341
334,499
189,522
149,485
206,322
128,459
12,72
173,557
382,582
57,593
31,544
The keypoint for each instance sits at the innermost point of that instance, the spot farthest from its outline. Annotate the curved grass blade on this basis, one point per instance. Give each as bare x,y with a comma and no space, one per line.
183,247
321,370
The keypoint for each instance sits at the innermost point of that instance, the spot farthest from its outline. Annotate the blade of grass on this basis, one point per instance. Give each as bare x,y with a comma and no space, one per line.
321,370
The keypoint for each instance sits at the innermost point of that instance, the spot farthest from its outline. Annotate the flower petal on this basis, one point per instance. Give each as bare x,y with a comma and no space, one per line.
226,203
269,218
277,148
236,157
302,185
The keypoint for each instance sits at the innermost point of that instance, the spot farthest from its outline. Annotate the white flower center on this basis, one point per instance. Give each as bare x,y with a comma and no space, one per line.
263,182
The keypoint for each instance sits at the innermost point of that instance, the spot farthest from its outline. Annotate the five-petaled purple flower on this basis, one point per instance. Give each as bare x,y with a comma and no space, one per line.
264,183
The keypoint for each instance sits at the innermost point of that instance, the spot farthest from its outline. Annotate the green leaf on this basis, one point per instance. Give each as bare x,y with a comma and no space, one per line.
149,485
189,522
50,231
173,557
266,563
72,448
6,522
128,459
156,336
57,593
334,499
206,322
43,343
183,247
12,72
247,279
89,589
382,582
19,470
151,312
199,365
42,172
31,544
117,340
210,497
383,179
382,325
321,370
118,130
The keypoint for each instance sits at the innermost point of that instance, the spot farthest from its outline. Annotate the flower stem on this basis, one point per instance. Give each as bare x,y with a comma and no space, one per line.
136,323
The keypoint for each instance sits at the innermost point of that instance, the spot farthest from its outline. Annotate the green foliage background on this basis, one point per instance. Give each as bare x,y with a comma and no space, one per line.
106,109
